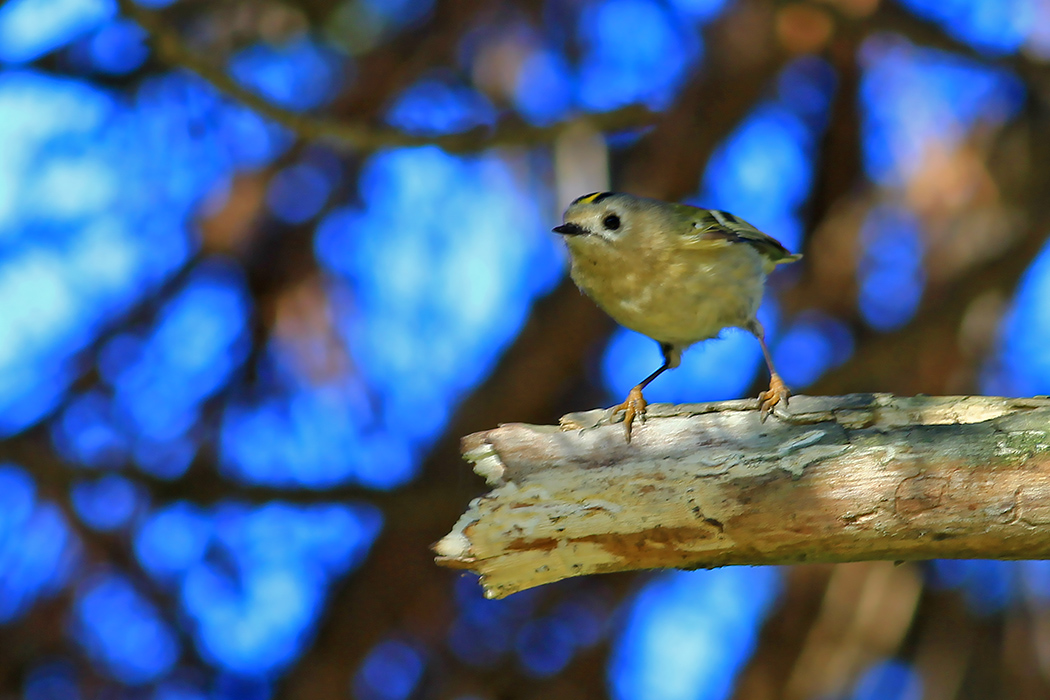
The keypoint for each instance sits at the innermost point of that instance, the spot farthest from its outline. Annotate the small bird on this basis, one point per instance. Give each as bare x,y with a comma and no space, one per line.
676,273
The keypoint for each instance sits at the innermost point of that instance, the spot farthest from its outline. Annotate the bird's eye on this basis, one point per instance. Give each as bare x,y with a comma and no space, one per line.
611,222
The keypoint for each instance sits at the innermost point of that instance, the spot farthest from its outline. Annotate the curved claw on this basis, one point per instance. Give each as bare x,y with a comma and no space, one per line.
633,407
776,393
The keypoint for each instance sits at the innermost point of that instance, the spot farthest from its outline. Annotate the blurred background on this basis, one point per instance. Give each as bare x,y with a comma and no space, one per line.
263,262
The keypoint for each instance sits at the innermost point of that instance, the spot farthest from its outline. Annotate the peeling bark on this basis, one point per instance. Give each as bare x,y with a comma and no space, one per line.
832,479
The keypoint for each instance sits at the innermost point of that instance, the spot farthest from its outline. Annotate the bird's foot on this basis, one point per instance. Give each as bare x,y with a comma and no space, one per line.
633,407
776,393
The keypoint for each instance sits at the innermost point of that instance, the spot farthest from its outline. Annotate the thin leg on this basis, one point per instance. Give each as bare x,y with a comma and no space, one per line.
634,405
778,390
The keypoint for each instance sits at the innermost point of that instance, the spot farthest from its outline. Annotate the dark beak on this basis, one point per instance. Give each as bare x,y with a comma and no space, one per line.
570,230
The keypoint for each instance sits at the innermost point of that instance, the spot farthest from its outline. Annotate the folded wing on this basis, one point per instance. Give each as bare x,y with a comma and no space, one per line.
712,227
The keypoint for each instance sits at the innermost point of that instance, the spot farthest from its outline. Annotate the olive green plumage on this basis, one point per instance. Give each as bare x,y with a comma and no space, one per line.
714,225
676,273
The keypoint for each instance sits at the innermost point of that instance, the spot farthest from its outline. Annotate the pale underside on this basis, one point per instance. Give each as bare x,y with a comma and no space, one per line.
675,296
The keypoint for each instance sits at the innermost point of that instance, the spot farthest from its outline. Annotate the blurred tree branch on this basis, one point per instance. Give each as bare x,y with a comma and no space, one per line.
358,136
833,623
891,17
741,62
836,479
784,636
828,279
393,65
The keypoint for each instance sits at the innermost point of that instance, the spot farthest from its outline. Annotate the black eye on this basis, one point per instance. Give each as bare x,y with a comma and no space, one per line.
611,222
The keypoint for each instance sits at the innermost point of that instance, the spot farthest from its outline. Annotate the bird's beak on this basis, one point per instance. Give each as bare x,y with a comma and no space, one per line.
570,229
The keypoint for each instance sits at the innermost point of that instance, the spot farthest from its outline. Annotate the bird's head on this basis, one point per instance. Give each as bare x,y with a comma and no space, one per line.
608,218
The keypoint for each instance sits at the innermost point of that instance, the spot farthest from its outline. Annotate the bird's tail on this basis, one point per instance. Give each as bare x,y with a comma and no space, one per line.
788,259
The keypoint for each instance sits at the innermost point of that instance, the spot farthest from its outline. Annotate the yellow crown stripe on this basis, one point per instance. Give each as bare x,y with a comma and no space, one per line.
592,197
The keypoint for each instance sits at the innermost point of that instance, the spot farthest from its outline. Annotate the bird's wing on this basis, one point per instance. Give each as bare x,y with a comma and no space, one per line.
712,227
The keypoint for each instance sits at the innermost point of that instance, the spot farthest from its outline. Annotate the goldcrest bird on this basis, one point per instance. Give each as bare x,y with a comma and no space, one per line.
676,273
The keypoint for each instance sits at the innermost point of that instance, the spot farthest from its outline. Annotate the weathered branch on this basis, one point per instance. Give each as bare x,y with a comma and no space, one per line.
836,479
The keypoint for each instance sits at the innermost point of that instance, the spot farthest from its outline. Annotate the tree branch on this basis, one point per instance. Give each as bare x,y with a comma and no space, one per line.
836,479
531,381
359,136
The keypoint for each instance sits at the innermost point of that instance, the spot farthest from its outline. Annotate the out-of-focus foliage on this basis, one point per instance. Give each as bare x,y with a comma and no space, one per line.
688,634
228,352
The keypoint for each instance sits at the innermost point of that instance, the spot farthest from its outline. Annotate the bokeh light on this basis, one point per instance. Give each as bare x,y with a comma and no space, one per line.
688,634
37,548
222,344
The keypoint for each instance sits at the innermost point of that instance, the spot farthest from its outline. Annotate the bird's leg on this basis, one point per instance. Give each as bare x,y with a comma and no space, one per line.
778,390
634,405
